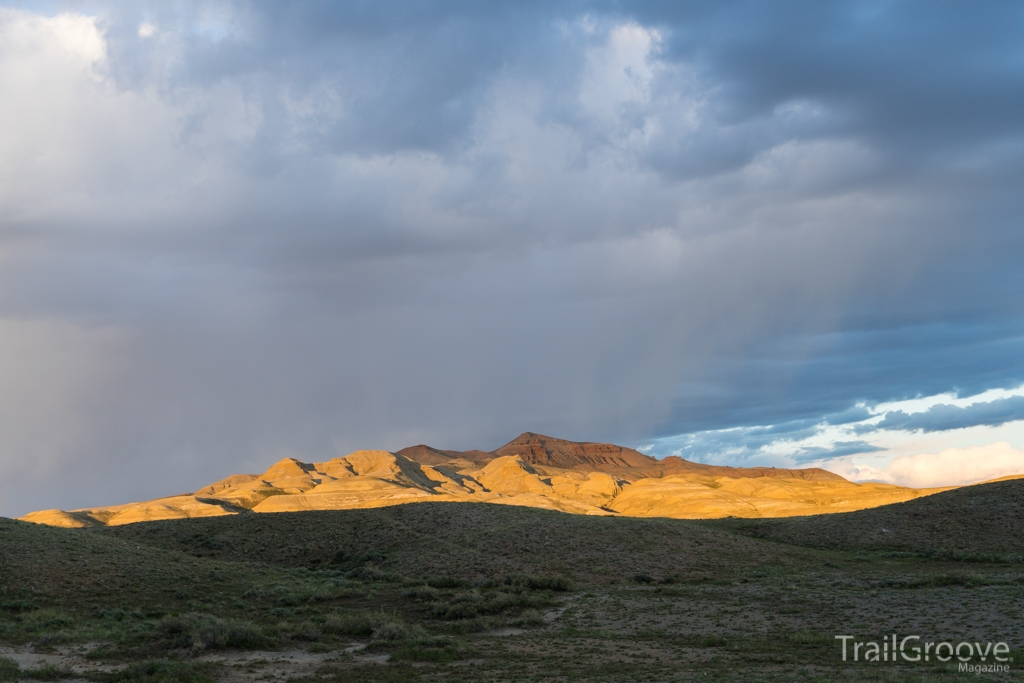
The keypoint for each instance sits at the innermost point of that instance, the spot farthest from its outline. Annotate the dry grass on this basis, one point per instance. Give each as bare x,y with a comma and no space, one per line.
464,592
467,540
981,523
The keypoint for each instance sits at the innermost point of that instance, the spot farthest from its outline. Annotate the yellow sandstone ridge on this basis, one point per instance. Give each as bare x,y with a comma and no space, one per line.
712,497
69,520
532,470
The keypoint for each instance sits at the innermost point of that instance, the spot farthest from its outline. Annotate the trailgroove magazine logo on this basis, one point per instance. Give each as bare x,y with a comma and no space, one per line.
972,656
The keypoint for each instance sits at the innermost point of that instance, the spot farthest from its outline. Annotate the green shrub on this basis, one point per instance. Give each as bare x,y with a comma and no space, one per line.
372,556
812,638
424,653
18,606
542,583
530,617
281,613
47,619
958,579
475,625
114,615
390,629
47,672
163,671
473,604
255,592
457,611
288,600
939,581
307,631
422,593
359,624
372,574
9,669
549,583
204,631
447,582
712,641
389,632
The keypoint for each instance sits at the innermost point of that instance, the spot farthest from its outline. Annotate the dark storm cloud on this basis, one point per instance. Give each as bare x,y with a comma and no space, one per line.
764,445
836,450
818,376
412,75
747,444
248,230
921,78
737,444
943,416
854,414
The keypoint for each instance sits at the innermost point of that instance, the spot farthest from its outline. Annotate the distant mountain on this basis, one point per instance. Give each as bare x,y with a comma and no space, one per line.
586,456
433,456
531,470
538,449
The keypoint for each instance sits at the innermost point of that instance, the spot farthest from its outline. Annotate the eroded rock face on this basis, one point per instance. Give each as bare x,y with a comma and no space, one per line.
68,520
538,449
532,470
586,456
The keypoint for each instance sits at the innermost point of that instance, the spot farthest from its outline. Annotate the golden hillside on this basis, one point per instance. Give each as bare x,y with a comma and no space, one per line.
532,470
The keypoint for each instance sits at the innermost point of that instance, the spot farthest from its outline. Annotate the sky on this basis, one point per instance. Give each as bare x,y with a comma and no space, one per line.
782,234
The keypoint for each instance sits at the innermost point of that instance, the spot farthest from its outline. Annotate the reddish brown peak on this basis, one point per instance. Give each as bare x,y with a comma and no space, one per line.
546,451
426,455
538,449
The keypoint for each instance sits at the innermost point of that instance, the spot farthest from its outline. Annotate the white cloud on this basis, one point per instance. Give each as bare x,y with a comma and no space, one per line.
619,73
921,404
830,442
146,30
72,144
951,467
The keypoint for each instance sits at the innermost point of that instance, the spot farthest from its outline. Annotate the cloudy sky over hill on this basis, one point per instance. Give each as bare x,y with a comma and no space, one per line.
782,234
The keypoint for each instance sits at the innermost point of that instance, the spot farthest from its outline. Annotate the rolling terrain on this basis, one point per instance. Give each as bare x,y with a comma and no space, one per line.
530,471
472,541
972,521
462,592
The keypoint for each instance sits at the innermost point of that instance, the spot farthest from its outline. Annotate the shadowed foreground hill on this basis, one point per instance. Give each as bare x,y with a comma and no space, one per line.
40,565
470,593
173,566
985,519
465,540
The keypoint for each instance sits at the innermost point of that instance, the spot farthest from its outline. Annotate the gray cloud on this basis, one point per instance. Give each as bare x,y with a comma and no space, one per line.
837,450
943,417
747,444
285,229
